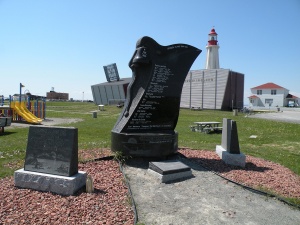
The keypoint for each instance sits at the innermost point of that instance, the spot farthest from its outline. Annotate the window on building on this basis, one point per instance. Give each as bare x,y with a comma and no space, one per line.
268,101
273,92
251,100
259,92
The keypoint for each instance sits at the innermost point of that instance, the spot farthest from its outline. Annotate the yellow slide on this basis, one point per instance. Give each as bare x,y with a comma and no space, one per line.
25,113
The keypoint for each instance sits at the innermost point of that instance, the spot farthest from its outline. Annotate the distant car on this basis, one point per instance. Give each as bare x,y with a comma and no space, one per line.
291,104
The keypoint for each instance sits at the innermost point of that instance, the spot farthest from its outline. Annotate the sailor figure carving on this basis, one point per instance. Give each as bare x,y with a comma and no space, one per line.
146,124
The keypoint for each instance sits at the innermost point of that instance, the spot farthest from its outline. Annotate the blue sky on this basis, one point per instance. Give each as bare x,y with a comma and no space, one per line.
65,43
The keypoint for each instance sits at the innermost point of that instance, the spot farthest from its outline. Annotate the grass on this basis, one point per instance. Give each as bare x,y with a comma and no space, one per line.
276,141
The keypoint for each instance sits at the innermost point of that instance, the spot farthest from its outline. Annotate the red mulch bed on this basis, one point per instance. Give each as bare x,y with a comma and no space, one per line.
110,203
258,173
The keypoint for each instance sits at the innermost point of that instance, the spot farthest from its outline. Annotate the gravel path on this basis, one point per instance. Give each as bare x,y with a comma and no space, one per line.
205,199
284,116
46,122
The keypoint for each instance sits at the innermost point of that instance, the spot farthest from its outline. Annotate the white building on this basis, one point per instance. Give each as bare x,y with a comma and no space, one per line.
270,94
220,89
112,92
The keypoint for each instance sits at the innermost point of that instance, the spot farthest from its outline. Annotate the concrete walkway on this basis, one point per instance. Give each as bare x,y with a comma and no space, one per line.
204,199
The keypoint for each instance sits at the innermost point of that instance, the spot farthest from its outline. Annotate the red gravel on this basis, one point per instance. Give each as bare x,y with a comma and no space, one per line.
258,173
110,203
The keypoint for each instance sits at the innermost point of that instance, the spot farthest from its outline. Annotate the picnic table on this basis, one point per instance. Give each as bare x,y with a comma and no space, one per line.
206,127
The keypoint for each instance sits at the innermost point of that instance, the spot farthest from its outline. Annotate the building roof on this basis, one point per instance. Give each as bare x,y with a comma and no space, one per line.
213,32
268,86
291,96
121,81
253,96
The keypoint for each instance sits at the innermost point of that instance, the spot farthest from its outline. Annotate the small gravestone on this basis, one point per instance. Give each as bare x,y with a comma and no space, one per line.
229,150
170,170
146,124
51,162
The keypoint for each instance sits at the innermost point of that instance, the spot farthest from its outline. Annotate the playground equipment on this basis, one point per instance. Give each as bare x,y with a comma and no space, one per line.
31,111
22,111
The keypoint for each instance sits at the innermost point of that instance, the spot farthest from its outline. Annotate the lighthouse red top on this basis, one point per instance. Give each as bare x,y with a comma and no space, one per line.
212,37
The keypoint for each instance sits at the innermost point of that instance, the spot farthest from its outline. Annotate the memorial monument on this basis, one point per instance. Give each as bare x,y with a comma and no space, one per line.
146,124
51,162
229,150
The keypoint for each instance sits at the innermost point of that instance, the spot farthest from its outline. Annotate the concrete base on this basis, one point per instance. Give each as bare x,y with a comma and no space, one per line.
231,159
171,177
50,183
156,145
169,170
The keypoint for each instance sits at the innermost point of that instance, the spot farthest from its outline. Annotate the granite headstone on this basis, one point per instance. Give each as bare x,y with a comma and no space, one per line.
229,150
51,162
146,124
52,150
230,140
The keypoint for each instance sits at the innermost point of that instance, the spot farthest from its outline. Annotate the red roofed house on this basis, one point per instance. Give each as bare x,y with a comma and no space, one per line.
271,94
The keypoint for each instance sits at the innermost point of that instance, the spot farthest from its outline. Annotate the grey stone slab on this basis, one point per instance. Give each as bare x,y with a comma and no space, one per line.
52,150
166,178
61,185
230,140
231,159
168,167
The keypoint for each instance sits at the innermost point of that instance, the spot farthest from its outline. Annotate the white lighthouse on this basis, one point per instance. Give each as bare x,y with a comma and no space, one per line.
212,55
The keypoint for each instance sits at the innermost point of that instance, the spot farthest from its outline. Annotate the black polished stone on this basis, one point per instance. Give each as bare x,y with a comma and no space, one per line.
168,167
52,150
152,105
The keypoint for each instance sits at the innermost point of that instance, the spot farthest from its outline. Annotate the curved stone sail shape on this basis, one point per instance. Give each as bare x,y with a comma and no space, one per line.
146,124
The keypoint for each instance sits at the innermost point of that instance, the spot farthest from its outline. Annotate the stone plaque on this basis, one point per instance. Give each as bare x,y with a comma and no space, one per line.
52,150
168,167
151,110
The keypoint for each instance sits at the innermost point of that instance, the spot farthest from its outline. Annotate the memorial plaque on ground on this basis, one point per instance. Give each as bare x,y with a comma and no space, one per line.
52,150
168,167
170,170
146,125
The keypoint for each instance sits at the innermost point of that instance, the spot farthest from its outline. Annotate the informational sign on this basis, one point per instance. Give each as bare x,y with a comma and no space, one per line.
111,72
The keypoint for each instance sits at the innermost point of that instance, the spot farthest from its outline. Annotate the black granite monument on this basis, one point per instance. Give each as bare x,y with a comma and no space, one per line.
149,117
52,150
